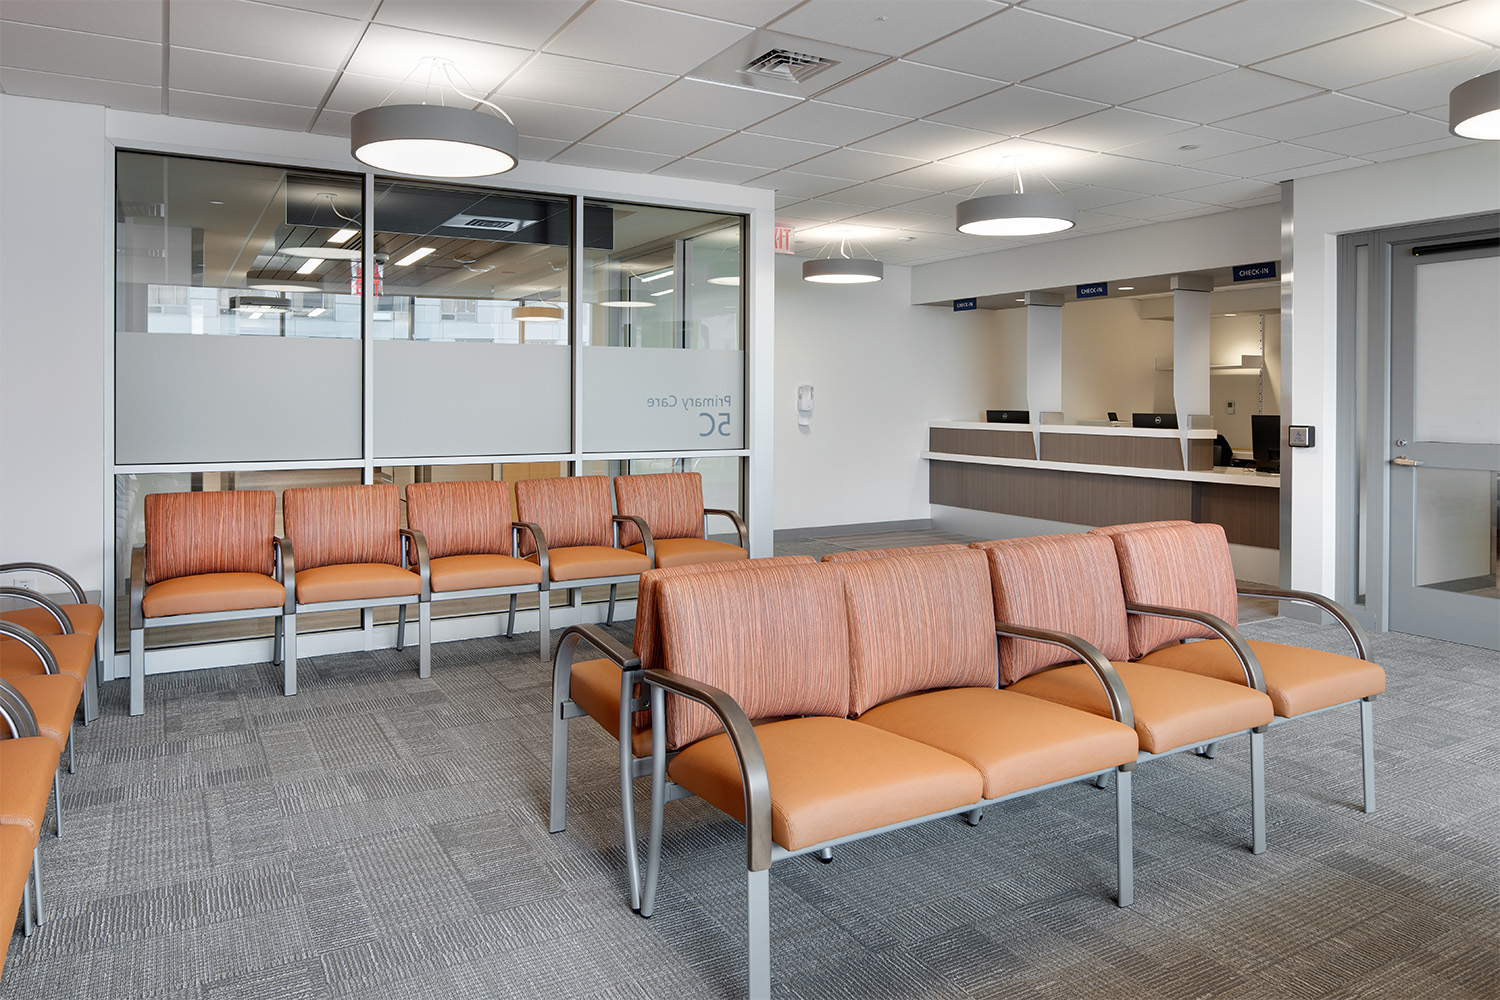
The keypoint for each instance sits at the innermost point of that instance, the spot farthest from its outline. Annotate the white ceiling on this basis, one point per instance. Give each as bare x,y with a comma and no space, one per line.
1143,110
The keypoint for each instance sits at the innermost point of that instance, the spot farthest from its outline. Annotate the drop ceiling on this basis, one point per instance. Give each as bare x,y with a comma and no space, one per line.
1142,110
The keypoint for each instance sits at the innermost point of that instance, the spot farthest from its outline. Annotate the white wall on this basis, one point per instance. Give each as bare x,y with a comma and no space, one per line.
881,369
55,173
1109,360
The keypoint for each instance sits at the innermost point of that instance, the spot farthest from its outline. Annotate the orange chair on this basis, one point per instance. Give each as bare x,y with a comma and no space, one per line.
864,555
353,553
210,557
471,544
576,541
85,619
1182,570
671,503
29,762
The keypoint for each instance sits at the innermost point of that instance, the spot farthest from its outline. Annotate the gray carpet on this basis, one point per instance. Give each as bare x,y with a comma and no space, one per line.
383,836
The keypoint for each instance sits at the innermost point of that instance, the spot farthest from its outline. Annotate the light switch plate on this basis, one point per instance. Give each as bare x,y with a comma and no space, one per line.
1298,436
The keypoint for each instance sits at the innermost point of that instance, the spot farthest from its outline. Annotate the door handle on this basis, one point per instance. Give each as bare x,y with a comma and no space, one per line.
1408,462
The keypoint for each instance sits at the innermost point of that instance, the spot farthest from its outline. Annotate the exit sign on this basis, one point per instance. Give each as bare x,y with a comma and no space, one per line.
786,238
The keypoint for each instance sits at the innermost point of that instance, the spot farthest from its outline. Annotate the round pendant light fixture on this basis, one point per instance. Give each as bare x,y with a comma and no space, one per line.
843,269
537,313
268,279
724,272
1019,213
435,140
1474,107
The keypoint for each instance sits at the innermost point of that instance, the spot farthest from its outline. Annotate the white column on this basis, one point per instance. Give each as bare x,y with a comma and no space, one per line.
1043,354
1190,352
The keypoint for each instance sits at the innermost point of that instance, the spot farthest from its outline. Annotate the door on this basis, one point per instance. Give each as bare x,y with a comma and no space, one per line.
1445,441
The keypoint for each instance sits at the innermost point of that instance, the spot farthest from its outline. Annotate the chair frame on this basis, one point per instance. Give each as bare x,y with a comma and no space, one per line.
38,645
24,714
284,644
90,688
575,587
16,714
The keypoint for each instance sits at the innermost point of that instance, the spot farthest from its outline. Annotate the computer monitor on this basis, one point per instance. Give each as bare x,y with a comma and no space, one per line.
1113,416
1265,441
1008,416
1164,420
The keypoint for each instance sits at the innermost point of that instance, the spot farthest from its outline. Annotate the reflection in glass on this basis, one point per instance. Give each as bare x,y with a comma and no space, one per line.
1457,543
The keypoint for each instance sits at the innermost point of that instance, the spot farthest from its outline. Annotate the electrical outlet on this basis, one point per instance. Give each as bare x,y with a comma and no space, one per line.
1229,407
25,581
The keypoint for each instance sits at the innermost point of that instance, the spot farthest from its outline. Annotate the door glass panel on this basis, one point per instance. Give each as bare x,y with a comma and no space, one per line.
1456,538
1456,361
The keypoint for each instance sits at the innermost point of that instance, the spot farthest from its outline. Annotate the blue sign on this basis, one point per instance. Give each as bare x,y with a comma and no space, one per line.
1093,291
962,305
1255,272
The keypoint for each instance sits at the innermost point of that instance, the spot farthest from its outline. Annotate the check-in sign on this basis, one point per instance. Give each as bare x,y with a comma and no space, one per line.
1255,272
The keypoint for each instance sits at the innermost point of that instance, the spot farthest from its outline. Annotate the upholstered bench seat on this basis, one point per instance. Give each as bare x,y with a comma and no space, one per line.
85,618
16,846
54,702
29,765
587,562
830,778
355,582
1298,680
74,655
211,592
1172,709
1014,741
687,551
480,572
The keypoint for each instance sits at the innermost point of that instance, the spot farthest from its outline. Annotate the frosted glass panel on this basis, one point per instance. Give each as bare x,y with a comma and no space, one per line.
1456,530
1457,358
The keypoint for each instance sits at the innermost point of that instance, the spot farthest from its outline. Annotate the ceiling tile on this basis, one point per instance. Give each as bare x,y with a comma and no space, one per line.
1415,6
545,120
891,27
53,87
1230,192
906,88
1246,33
359,10
1311,169
1423,88
649,38
1206,140
1109,129
397,54
1276,159
935,204
705,103
1017,110
895,218
822,211
874,194
924,140
1234,93
1360,140
856,164
1016,44
335,123
1124,174
1417,149
1138,17
582,84
1128,72
1152,208
1091,197
1370,55
1033,154
253,29
815,121
942,177
138,19
799,185
521,23
538,150
74,53
654,135
212,107
1309,115
768,152
755,13
256,79
1475,18
709,170
585,155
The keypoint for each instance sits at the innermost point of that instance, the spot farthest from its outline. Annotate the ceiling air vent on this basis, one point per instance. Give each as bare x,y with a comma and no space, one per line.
485,222
784,64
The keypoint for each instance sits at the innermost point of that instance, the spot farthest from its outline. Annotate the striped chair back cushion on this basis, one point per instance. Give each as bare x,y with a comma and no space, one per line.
670,502
192,533
859,555
1068,583
775,640
571,510
1179,566
333,525
917,623
461,519
1115,529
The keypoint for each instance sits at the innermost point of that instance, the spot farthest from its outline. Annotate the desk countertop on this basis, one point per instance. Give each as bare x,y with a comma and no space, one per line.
1222,476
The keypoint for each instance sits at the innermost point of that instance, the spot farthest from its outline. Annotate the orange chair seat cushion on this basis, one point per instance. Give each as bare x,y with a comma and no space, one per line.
1014,741
687,551
54,702
830,778
1298,680
480,572
86,619
595,688
28,764
588,562
74,655
355,582
16,845
208,593
1172,708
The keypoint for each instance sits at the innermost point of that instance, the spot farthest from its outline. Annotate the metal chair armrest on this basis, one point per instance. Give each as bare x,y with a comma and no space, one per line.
31,641
286,572
641,526
58,614
1114,688
16,712
416,542
739,523
613,649
137,585
1356,632
539,540
1230,635
753,777
64,578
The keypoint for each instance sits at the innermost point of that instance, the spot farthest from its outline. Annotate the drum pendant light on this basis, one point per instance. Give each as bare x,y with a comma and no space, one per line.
843,269
1474,107
436,140
1019,213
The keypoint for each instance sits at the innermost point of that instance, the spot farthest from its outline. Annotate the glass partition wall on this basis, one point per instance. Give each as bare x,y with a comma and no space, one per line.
281,327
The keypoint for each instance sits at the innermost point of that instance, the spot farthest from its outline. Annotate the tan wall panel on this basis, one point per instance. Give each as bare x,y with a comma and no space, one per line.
991,444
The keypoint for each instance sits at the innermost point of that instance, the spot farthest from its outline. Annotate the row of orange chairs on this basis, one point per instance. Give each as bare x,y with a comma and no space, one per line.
216,556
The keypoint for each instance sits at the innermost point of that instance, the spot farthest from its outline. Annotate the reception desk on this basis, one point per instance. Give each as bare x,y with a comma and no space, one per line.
1099,475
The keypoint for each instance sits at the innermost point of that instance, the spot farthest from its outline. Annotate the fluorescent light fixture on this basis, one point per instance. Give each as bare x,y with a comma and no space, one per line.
664,291
1474,107
268,279
658,275
259,305
436,140
311,265
316,313
343,236
256,315
326,253
1124,288
415,256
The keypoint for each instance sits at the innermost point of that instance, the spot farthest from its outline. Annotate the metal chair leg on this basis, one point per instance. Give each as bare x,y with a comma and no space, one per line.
57,799
759,892
610,618
401,627
137,671
289,657
510,625
1367,749
1124,838
69,748
36,877
1258,792
424,639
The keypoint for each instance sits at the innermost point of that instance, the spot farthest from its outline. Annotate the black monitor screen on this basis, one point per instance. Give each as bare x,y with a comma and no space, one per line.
1154,420
1008,416
1265,440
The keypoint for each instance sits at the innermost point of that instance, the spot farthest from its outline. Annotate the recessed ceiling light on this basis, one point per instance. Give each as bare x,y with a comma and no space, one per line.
216,203
327,253
1189,146
316,313
658,275
310,265
1124,288
343,236
415,256
664,291
1231,314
